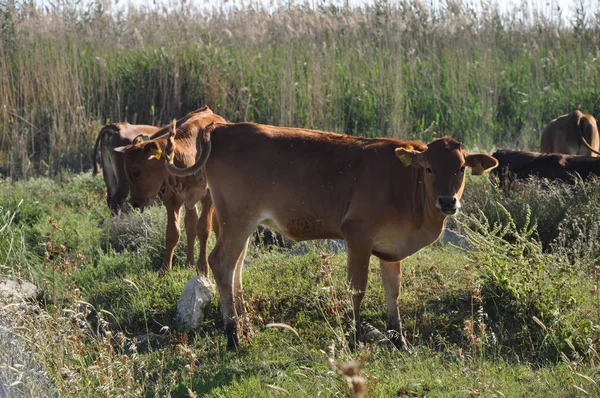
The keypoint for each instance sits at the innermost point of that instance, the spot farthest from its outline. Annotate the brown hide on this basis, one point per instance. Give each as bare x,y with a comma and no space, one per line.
384,197
110,137
147,174
514,165
573,134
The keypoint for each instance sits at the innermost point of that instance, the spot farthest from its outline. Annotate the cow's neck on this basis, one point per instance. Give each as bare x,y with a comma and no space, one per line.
425,199
185,152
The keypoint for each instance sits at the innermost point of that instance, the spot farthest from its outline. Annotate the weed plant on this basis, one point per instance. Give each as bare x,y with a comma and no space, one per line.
563,218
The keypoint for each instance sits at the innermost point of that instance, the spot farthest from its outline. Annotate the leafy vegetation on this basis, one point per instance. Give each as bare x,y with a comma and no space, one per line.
511,317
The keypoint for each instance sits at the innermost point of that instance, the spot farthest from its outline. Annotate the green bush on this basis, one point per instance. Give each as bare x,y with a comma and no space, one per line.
565,216
532,298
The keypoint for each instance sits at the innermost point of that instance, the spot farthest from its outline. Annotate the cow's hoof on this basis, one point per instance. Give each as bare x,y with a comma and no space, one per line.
202,268
398,340
355,342
232,343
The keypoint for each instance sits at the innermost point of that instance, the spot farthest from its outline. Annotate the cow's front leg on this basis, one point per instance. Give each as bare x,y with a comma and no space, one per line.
359,252
391,276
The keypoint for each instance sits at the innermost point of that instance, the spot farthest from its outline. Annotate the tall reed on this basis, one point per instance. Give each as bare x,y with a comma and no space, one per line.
398,69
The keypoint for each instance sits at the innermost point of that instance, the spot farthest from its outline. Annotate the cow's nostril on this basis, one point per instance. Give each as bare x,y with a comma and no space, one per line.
446,201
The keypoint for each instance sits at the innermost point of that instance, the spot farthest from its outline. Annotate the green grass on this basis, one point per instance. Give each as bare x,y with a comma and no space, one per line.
509,319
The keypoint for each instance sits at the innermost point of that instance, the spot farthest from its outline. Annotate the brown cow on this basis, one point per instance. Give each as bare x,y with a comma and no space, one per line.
514,165
573,134
385,197
147,175
110,137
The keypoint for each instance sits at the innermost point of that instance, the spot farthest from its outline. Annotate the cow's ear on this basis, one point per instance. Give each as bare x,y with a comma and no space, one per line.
480,163
153,150
409,157
122,148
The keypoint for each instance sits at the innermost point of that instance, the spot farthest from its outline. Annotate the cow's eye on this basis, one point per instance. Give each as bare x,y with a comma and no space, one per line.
429,171
136,174
462,169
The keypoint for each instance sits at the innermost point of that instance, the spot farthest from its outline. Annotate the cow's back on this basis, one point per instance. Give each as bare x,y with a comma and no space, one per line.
584,166
521,165
306,180
565,133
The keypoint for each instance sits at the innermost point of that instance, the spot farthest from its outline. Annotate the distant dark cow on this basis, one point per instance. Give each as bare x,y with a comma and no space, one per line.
573,134
516,165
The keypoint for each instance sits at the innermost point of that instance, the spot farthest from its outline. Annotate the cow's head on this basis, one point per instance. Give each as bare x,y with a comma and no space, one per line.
444,163
145,171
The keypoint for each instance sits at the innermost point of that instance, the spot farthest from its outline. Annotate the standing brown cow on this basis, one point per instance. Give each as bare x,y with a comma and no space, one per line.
147,174
384,197
573,134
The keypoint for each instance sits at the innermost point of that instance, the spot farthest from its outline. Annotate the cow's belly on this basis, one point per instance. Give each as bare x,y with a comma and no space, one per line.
390,246
300,227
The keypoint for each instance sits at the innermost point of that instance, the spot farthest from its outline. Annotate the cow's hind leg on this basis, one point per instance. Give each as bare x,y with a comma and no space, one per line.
223,260
203,227
111,181
239,303
391,276
173,204
190,221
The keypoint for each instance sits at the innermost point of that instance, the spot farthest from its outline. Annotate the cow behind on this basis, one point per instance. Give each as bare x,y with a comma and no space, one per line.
111,136
384,197
573,134
147,175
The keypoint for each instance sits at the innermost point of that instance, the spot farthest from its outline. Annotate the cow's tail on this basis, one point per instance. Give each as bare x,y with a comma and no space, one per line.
103,132
588,146
581,122
205,148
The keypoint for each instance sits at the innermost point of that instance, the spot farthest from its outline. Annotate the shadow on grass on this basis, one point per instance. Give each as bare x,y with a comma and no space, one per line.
238,370
439,322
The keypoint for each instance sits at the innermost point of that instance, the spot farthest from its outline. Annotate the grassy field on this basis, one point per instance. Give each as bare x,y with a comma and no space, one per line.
517,316
507,319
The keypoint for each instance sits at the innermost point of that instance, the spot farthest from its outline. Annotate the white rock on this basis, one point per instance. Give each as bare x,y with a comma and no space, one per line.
450,237
198,292
12,291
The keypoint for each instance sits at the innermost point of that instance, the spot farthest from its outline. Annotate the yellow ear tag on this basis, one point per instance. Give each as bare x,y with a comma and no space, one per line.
408,146
477,170
405,159
156,153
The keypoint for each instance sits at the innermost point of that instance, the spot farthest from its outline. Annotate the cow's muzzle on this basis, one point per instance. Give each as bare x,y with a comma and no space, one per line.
140,204
449,205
